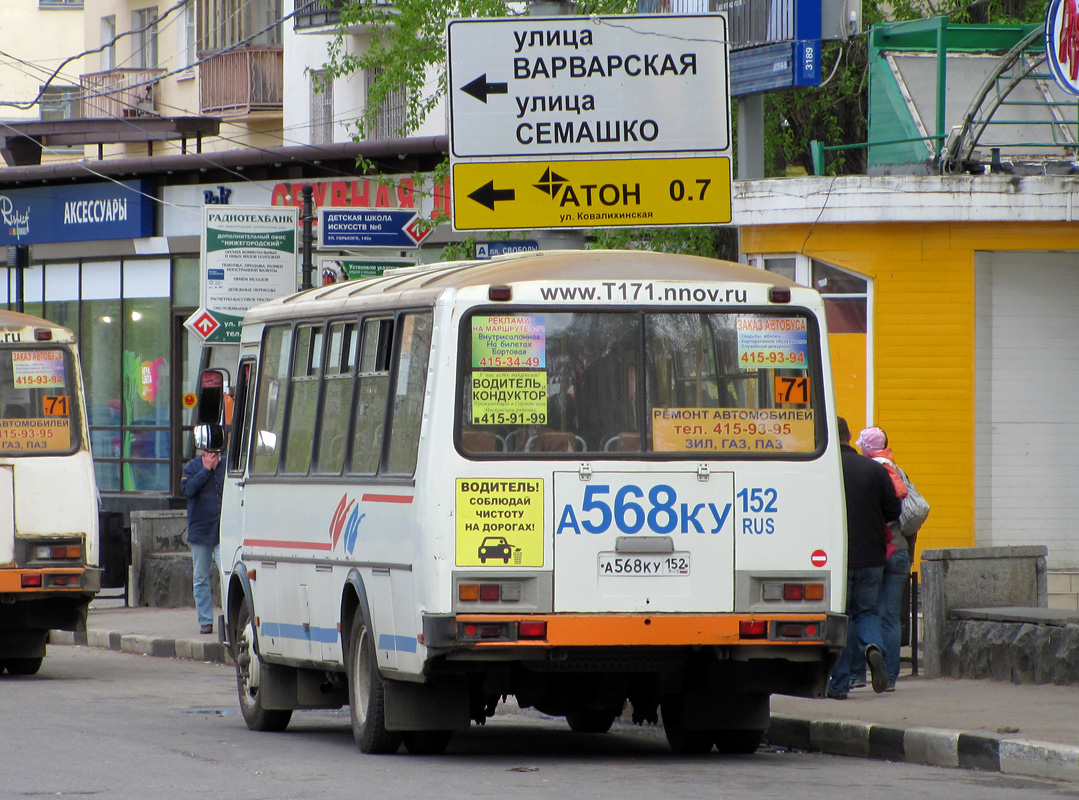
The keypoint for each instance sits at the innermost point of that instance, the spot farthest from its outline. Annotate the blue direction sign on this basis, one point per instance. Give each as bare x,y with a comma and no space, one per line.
492,249
369,227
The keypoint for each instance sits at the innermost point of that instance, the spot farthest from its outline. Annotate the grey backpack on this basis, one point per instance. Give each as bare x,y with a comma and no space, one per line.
915,508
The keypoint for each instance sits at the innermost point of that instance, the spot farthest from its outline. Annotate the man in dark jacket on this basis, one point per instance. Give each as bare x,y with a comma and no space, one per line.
201,484
871,504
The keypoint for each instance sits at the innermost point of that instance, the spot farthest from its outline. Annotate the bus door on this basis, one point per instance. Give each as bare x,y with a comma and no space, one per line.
235,506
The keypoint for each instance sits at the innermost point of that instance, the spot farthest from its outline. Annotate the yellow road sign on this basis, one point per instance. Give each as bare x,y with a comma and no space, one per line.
633,192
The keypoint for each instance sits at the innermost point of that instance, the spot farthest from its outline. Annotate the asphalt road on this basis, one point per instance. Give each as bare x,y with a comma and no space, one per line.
96,722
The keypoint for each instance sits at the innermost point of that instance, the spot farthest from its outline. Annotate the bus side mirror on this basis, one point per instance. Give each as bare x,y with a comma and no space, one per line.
209,437
213,387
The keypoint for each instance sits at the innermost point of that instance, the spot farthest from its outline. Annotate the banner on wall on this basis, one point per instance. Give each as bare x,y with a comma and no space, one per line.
335,269
248,255
77,213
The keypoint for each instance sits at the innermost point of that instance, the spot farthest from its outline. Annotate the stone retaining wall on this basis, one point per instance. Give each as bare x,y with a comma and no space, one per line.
161,561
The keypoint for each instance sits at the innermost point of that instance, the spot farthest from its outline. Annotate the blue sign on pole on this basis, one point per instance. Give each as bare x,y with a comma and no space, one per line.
492,249
369,227
77,213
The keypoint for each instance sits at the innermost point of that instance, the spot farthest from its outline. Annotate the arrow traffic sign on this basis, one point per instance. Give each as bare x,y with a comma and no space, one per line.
501,195
202,323
487,195
534,87
348,228
480,88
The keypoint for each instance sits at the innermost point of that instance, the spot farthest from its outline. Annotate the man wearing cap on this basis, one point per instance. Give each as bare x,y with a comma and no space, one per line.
871,503
201,484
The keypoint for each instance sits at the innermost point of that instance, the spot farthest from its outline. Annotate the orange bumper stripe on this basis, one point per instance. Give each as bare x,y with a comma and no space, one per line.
607,630
11,579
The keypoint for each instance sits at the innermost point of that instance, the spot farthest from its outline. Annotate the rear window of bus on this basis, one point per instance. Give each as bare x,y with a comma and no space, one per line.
621,384
38,412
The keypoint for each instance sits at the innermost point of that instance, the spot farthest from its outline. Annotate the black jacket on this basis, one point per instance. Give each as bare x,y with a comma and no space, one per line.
202,488
871,503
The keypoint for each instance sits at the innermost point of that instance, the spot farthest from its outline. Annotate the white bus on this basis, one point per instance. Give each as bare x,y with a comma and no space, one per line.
582,479
48,495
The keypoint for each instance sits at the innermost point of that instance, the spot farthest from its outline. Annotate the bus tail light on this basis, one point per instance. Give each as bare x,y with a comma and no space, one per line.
489,592
753,629
54,551
777,294
31,581
501,631
66,581
499,293
792,592
532,629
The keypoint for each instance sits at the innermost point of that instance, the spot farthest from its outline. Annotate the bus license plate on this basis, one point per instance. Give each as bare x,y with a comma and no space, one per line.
643,565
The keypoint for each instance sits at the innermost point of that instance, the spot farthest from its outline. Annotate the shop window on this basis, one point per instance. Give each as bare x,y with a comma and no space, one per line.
100,340
845,293
62,295
185,282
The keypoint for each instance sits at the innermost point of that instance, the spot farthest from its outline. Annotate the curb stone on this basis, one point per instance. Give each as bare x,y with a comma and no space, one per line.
142,644
930,746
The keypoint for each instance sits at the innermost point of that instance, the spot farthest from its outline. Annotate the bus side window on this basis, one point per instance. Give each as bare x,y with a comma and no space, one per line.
303,389
270,412
342,342
415,350
241,417
372,394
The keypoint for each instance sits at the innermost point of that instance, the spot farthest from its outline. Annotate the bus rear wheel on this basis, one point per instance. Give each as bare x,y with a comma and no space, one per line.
590,720
21,666
250,677
426,743
367,694
684,741
742,742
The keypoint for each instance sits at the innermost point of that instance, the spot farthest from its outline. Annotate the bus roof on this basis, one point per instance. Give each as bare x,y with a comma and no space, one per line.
14,321
421,285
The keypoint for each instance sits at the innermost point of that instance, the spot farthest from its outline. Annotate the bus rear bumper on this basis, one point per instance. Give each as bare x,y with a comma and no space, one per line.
496,631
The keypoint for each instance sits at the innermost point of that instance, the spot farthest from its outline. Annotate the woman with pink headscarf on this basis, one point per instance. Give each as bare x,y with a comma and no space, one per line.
873,443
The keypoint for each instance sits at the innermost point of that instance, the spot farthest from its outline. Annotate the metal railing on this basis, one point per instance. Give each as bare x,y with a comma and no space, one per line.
118,93
242,81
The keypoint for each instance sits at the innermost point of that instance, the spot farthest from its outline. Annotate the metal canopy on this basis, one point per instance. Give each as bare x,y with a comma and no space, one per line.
21,143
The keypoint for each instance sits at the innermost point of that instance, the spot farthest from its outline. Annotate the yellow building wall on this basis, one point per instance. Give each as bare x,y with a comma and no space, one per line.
923,353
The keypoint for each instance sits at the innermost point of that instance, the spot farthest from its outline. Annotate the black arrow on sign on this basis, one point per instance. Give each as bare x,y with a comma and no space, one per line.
480,88
487,195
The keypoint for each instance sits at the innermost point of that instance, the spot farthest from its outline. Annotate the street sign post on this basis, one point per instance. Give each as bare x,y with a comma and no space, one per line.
539,87
486,250
385,228
501,195
573,122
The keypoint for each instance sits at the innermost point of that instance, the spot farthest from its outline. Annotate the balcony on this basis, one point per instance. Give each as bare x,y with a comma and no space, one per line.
318,13
119,93
326,13
241,82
